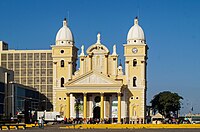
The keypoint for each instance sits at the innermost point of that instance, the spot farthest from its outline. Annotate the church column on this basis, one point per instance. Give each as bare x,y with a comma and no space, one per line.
126,72
114,67
143,72
70,70
90,62
102,106
119,108
82,56
68,105
143,108
111,109
84,105
106,64
82,65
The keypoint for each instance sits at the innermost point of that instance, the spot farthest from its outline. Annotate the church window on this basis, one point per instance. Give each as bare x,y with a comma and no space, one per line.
62,82
62,63
137,97
134,81
59,98
134,62
97,99
134,40
62,51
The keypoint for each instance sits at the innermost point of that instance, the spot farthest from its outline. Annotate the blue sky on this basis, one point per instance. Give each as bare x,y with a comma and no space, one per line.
172,29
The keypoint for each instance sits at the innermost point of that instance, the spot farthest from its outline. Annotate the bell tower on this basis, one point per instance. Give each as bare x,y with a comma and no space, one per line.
135,52
64,55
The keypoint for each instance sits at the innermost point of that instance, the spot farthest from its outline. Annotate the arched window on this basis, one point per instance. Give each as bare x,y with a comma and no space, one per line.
134,62
62,63
134,81
62,81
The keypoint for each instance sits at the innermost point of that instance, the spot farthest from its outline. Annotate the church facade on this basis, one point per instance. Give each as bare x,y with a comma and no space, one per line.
100,88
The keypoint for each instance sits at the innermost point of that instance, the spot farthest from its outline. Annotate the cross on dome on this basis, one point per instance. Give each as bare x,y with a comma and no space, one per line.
136,20
65,22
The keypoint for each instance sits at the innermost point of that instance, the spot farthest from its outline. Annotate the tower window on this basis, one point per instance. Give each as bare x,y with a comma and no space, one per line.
62,63
62,51
134,81
134,62
62,82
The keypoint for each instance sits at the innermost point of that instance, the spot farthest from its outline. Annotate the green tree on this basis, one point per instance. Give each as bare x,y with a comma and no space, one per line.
166,102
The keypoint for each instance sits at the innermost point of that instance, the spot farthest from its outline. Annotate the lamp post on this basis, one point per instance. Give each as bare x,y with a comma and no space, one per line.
13,99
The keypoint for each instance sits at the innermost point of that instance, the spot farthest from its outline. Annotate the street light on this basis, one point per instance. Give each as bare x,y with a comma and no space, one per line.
12,94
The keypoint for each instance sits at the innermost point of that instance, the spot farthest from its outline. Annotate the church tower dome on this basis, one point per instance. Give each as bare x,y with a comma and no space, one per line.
135,34
64,35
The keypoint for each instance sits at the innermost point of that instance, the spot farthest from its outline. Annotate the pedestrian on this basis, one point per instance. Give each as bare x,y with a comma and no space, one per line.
40,122
65,120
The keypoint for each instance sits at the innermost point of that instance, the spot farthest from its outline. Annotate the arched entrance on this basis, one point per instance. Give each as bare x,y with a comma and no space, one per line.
96,112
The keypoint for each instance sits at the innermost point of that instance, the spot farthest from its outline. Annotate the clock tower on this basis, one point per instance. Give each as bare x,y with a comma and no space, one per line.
135,52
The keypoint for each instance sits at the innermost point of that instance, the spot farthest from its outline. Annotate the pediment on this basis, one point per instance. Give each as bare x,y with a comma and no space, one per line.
93,78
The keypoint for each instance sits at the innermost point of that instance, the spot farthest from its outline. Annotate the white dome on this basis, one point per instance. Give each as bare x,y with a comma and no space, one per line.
64,35
136,33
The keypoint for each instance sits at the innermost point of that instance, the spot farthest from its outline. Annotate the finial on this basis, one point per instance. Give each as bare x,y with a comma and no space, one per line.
65,22
114,50
82,50
136,20
98,38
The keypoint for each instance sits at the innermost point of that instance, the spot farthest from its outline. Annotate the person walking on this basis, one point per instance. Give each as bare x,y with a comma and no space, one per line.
40,122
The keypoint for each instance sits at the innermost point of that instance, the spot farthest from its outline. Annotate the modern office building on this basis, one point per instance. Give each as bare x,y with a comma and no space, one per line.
13,96
33,68
99,88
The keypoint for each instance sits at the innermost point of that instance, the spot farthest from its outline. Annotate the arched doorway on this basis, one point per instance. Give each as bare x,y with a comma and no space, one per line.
96,112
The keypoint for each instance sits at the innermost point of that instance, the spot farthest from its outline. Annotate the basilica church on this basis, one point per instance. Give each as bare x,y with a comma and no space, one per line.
100,88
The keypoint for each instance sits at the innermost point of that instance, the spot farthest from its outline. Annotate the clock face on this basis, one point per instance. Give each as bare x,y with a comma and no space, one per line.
134,50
